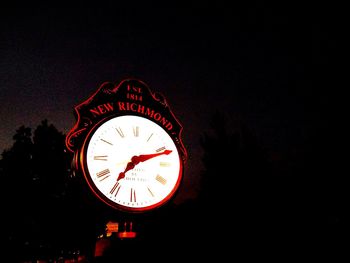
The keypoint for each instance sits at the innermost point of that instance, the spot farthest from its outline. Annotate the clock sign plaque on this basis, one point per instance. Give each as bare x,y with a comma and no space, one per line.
127,144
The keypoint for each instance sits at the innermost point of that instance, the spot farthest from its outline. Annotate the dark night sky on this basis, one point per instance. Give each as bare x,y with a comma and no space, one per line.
261,61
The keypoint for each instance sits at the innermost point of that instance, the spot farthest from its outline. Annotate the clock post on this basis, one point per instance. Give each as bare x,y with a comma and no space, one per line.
129,153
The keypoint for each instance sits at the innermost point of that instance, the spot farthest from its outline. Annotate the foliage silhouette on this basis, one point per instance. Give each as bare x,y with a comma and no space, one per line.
43,213
235,164
275,207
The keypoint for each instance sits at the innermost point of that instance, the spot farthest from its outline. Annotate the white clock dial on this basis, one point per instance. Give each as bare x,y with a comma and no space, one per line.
132,163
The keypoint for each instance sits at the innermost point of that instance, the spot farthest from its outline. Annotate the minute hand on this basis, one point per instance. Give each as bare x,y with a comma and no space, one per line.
144,157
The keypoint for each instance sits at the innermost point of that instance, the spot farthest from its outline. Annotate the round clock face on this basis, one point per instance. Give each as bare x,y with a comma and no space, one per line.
131,163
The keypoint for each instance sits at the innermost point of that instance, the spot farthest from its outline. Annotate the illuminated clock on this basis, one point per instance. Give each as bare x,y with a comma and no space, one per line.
131,163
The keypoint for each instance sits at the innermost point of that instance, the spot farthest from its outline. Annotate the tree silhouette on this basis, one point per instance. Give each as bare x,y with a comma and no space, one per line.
236,186
16,173
234,162
16,162
50,160
284,211
43,209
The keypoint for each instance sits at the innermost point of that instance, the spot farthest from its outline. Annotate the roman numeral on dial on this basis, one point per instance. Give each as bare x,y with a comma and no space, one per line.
106,142
164,164
132,195
100,157
150,191
120,132
103,174
150,137
160,149
115,189
136,131
161,179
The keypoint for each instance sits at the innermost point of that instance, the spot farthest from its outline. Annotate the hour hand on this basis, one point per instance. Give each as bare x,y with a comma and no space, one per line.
144,157
128,167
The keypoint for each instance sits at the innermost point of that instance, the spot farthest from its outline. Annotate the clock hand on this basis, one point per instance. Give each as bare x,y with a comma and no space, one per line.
128,167
140,158
144,157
